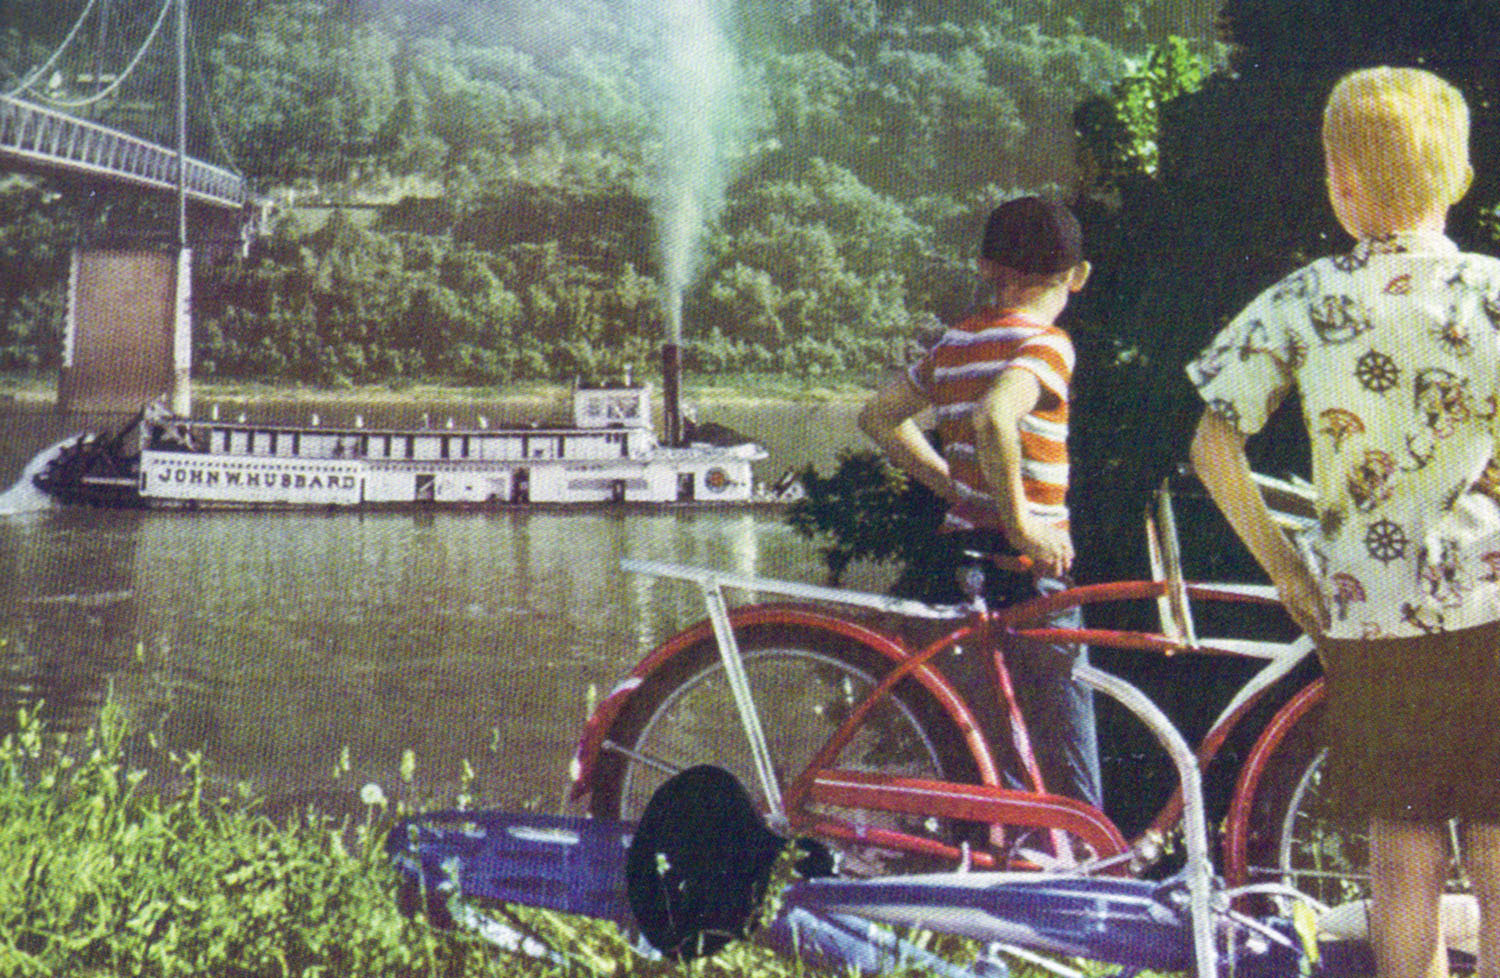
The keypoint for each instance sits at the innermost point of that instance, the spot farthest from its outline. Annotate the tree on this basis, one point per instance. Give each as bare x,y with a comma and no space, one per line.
35,229
1236,202
309,93
817,257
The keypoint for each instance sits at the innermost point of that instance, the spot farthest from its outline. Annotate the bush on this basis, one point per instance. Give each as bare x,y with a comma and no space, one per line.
866,510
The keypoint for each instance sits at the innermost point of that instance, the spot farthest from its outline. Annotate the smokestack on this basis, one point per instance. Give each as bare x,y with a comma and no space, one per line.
671,376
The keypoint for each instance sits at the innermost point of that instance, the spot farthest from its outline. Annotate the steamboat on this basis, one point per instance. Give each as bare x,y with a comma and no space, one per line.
609,454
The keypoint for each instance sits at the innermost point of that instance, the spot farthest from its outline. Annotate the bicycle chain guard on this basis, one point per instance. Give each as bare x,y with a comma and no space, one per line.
700,862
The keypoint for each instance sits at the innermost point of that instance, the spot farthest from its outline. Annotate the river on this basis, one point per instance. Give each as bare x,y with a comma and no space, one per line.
277,643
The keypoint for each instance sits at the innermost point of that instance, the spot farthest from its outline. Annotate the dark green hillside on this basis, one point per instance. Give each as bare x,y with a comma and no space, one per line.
865,141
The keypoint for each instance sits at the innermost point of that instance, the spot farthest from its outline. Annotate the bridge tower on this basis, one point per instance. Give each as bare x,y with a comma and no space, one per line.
127,338
128,335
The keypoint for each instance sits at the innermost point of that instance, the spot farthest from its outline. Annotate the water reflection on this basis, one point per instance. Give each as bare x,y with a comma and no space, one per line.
273,640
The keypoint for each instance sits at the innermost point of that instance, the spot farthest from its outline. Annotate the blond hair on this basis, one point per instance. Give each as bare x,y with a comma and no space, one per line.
1404,133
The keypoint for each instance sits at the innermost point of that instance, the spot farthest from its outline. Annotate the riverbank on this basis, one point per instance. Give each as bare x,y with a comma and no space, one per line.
40,390
100,876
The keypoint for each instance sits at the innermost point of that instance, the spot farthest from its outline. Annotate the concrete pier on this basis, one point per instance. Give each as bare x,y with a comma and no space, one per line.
128,338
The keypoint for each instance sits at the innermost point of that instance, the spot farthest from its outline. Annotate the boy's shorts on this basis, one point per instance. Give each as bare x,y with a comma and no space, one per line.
1414,725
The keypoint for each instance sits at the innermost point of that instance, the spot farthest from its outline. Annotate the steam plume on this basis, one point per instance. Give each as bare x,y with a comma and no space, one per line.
700,128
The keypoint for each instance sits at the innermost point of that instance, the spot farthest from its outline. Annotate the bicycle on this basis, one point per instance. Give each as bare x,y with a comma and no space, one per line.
852,736
864,752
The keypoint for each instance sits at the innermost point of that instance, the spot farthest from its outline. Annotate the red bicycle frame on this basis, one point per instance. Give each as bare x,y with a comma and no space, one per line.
988,801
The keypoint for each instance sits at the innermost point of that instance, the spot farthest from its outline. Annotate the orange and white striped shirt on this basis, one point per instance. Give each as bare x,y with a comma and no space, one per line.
958,370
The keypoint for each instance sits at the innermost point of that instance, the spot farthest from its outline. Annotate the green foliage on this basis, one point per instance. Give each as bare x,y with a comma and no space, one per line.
866,510
104,872
918,108
299,70
34,230
1119,132
105,876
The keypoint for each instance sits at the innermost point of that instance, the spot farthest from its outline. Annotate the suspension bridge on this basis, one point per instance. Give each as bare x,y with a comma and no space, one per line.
127,339
35,138
41,130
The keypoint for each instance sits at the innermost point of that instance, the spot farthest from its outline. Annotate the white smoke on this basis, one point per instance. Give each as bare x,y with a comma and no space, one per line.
702,129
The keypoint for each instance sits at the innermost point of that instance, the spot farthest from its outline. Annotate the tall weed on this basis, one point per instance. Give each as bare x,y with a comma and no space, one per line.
100,877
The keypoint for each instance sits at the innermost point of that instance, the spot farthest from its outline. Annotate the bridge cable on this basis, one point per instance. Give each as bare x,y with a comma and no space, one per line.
113,86
31,79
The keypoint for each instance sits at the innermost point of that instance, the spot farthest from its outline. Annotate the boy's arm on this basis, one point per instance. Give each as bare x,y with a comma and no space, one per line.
888,420
1218,454
997,440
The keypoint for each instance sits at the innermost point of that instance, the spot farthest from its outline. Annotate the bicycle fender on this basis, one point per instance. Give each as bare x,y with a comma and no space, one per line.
1237,823
810,619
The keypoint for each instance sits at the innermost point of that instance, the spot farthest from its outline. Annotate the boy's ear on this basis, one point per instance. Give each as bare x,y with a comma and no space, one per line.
1079,277
1468,182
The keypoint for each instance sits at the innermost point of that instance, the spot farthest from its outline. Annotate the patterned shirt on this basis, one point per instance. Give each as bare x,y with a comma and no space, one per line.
1395,349
958,370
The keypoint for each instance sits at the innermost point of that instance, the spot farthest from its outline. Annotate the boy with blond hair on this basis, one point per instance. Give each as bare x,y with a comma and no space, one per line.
999,383
1394,348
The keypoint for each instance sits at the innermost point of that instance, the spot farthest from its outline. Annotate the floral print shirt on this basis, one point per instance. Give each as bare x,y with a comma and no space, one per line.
1395,350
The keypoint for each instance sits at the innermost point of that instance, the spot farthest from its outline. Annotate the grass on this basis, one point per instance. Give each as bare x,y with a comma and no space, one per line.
100,876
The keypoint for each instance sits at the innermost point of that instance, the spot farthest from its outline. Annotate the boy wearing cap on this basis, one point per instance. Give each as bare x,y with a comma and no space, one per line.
999,384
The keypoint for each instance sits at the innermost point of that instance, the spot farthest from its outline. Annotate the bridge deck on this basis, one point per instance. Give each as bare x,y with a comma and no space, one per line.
40,137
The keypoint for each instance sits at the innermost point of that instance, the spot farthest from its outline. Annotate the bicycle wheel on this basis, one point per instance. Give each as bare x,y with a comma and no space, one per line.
804,685
1299,837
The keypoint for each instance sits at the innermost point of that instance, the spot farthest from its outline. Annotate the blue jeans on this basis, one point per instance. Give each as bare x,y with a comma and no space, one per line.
1059,710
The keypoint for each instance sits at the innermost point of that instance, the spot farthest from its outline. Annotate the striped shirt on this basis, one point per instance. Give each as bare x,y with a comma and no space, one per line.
957,372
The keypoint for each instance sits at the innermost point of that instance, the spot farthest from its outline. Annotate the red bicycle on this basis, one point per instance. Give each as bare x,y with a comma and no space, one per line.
853,735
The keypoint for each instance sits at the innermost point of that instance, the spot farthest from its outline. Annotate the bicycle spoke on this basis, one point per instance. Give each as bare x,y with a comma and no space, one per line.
803,696
645,760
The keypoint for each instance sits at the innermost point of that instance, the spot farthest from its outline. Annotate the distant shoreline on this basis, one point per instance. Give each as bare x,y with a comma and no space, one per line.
38,391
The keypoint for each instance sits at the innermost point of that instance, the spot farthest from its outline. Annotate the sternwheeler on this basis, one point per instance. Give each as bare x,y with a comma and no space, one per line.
609,454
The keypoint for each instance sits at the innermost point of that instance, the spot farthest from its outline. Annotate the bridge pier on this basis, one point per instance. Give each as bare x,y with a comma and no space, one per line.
128,336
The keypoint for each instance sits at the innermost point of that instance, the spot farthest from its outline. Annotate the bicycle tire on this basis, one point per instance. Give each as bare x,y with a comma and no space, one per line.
683,715
1295,836
1299,838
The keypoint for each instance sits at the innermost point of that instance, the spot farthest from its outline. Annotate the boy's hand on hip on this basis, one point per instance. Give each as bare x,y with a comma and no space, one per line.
1303,600
1049,547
